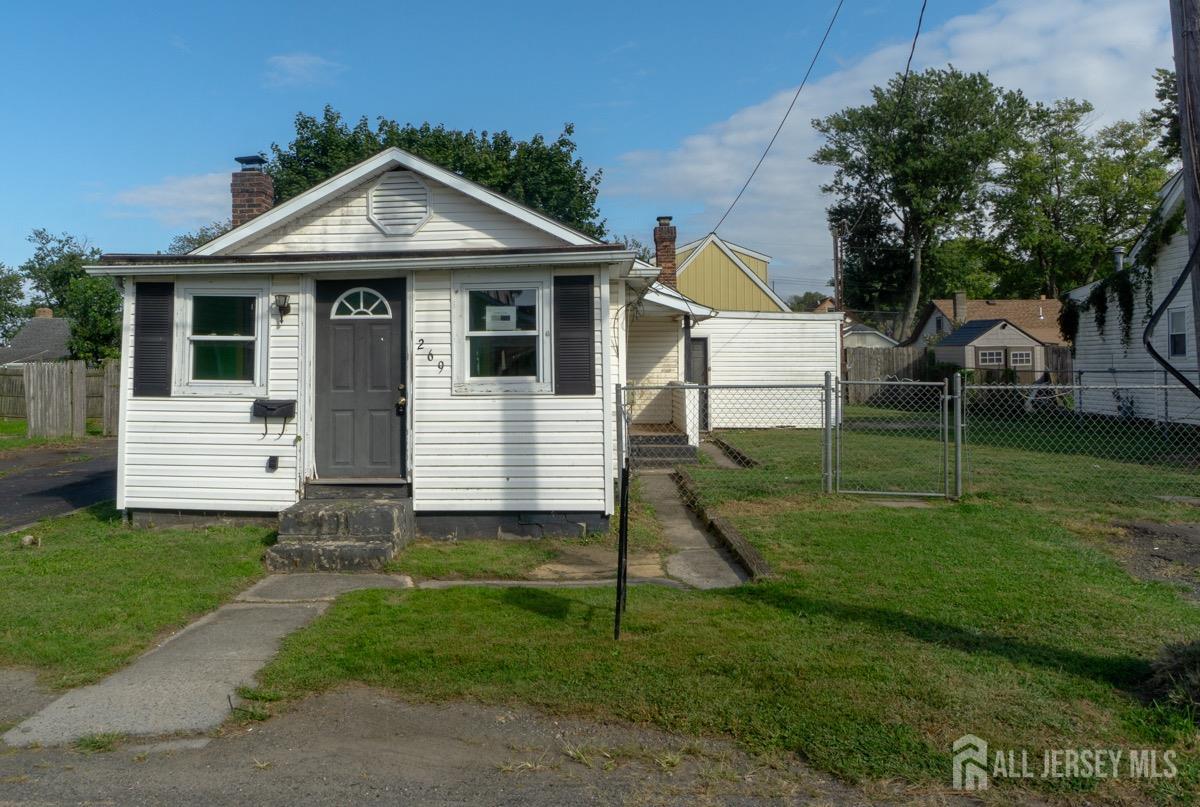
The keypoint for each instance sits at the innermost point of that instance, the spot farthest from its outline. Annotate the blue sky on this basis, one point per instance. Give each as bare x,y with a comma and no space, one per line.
121,125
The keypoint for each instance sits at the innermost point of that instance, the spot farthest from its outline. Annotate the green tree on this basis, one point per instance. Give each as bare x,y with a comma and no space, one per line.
922,148
973,264
1166,115
544,175
93,305
806,301
13,308
643,250
1062,198
184,243
875,266
56,261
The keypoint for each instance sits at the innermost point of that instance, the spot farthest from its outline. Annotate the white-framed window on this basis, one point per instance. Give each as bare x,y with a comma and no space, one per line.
1177,331
502,334
360,302
1020,358
220,338
991,358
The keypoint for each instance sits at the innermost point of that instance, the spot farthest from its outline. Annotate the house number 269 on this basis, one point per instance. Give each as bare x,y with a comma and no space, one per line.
441,365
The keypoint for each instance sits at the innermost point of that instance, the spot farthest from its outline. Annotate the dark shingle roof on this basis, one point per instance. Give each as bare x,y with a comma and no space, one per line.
968,332
40,339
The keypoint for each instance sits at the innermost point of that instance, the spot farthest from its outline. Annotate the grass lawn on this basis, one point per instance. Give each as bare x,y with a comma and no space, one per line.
12,435
96,593
515,559
886,635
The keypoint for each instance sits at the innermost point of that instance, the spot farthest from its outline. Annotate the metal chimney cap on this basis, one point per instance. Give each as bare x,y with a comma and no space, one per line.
1118,250
252,162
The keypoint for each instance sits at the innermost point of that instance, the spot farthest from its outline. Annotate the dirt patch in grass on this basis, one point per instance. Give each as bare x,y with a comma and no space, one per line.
1164,553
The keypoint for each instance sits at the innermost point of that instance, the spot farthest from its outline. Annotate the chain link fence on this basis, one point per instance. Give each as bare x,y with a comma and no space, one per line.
1023,442
1123,442
729,443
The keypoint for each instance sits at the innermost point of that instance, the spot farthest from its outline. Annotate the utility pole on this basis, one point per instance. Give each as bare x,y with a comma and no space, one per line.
1185,24
836,231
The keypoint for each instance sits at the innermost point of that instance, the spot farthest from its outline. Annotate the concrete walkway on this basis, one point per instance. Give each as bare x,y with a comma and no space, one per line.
698,559
189,682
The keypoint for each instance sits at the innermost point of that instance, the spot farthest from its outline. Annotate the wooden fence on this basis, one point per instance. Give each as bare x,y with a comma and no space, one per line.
54,400
917,364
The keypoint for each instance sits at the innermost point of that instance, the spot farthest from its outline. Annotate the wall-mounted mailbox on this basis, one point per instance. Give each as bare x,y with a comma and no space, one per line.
267,408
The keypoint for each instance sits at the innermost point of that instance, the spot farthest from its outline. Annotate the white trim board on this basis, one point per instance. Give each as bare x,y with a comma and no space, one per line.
621,257
745,250
383,161
711,238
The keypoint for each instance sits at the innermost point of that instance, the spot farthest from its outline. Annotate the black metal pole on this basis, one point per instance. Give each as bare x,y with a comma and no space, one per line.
622,551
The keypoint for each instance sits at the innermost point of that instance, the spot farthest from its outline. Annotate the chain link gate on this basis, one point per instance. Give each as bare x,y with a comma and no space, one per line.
897,438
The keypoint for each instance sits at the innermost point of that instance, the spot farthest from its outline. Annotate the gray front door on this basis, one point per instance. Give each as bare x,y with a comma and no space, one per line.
360,379
697,373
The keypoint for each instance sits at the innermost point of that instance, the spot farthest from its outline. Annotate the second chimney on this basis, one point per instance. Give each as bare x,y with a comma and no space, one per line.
252,188
960,307
664,251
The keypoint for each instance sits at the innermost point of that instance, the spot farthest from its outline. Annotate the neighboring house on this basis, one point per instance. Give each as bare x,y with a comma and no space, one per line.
857,334
42,338
726,276
725,326
991,344
1104,360
1038,318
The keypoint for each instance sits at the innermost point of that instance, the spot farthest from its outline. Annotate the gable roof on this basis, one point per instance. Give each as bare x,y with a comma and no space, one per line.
968,333
388,159
39,339
1037,318
712,238
854,326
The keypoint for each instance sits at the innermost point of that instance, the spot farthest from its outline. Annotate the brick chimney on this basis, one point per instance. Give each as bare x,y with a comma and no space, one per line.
960,307
43,313
252,188
664,251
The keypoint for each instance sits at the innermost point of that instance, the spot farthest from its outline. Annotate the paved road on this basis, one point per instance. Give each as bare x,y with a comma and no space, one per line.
36,483
357,745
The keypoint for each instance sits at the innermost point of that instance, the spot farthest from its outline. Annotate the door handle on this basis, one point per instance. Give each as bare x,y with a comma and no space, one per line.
401,402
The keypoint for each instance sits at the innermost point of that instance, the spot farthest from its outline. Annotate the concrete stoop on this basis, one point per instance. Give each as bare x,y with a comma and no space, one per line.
352,534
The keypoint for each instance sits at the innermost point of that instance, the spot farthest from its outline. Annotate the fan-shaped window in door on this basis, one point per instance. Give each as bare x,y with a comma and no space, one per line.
361,303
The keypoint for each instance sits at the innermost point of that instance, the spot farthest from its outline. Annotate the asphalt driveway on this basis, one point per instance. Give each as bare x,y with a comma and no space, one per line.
39,482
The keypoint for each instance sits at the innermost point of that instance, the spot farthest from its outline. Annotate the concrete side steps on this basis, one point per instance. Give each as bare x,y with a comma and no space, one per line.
661,450
341,534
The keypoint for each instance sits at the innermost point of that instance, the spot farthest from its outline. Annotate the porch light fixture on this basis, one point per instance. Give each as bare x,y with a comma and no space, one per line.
283,305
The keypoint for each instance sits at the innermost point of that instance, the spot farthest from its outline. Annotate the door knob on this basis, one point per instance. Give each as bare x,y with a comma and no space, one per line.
401,401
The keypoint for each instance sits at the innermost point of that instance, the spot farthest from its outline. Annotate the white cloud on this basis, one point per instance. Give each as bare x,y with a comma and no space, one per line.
177,201
300,70
1101,50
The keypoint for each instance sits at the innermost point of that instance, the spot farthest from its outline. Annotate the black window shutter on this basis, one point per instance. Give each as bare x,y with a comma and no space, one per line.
574,335
153,321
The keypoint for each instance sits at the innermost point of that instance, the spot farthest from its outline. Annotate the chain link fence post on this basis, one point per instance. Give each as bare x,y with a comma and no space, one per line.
827,442
958,436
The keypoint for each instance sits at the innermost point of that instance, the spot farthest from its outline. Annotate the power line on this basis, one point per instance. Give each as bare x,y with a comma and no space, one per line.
791,106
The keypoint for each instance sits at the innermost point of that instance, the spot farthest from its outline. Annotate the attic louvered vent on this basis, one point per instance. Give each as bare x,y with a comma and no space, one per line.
398,203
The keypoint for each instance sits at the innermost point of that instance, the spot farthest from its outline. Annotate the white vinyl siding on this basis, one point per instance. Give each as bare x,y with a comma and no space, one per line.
654,360
502,452
1101,359
208,453
456,221
754,348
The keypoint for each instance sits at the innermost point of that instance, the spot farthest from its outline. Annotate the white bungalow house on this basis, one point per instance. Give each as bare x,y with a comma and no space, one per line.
397,335
1110,370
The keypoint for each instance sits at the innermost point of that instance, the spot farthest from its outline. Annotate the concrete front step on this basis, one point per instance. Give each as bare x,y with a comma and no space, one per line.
341,534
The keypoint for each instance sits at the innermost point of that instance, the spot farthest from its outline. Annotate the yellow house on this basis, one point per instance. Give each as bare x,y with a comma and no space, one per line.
726,277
